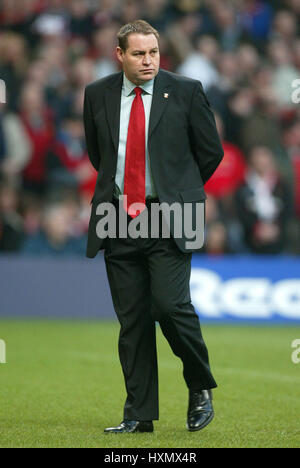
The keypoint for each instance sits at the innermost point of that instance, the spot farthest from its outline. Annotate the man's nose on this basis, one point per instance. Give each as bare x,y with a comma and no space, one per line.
147,59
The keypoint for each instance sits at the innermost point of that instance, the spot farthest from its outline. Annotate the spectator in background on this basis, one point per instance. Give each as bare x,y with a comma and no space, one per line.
11,225
75,207
54,239
15,147
262,128
284,73
53,73
255,17
13,65
296,52
81,73
229,71
180,35
2,136
31,209
67,162
157,13
105,12
285,26
130,10
19,16
294,5
38,122
81,19
239,110
228,29
54,54
291,139
248,61
225,236
264,205
223,233
220,93
217,240
105,62
199,64
53,21
231,173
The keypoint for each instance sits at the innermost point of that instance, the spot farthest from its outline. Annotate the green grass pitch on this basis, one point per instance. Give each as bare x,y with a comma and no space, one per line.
62,385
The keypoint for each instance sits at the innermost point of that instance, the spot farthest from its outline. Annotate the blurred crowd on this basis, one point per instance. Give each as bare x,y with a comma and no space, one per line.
245,53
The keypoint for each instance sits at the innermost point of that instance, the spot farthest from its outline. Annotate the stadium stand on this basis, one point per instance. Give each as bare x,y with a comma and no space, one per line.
246,54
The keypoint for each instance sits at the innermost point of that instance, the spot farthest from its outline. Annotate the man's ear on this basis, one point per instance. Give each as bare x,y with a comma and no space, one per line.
120,53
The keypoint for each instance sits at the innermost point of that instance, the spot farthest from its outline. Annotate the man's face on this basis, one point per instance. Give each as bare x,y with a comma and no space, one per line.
141,59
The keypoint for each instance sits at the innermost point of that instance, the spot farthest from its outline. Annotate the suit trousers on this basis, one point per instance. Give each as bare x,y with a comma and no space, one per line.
149,280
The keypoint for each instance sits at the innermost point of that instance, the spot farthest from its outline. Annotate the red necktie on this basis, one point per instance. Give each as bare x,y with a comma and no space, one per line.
134,178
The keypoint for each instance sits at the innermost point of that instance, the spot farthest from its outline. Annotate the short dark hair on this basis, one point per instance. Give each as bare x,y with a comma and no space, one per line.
136,27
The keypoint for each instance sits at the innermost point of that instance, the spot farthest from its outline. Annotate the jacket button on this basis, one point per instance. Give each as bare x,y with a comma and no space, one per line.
112,177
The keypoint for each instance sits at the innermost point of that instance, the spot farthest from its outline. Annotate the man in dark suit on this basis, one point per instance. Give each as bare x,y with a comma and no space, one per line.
151,135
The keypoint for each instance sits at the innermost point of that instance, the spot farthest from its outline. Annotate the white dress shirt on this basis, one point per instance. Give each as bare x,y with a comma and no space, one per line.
127,98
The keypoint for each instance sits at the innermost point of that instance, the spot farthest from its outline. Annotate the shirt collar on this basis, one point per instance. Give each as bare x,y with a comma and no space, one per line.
128,86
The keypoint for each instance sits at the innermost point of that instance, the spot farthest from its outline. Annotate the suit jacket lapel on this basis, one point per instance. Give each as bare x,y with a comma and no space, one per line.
159,101
113,107
113,104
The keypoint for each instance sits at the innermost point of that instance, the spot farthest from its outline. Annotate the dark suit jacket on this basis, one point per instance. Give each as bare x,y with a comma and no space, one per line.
184,146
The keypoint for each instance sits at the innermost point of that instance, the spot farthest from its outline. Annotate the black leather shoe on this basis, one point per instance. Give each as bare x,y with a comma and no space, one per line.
200,410
130,427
